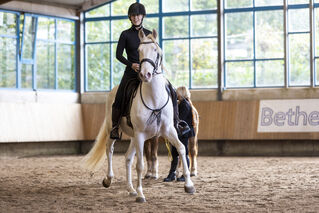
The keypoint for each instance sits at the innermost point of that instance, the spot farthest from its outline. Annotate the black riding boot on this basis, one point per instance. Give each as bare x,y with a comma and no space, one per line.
181,126
116,116
171,176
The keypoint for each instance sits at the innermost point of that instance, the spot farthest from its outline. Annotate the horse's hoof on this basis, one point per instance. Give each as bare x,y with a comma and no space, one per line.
193,174
140,200
106,182
147,176
133,194
154,177
190,189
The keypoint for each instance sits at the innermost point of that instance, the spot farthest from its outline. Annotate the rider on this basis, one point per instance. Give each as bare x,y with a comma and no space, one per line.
129,41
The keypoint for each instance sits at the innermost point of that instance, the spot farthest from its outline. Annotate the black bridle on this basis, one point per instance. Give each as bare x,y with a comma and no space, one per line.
155,64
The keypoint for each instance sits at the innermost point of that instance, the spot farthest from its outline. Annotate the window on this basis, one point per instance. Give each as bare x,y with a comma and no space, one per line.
254,44
42,56
258,50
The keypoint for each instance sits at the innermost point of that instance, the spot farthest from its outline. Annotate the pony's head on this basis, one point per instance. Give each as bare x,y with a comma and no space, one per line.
150,56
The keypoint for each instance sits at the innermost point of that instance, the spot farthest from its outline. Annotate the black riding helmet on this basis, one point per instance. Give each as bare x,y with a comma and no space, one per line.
136,9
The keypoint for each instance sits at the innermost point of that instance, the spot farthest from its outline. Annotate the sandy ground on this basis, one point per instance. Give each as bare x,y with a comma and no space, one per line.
224,184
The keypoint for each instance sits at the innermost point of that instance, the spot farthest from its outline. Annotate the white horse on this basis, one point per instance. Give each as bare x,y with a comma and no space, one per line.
151,115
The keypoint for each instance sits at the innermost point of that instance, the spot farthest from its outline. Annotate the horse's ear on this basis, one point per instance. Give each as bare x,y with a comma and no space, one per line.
141,34
154,33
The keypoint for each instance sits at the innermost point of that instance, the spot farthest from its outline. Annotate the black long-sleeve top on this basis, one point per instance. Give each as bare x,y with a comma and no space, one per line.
129,41
186,113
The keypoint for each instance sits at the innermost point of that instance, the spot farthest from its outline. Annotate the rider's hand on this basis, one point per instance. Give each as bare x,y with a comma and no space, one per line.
135,67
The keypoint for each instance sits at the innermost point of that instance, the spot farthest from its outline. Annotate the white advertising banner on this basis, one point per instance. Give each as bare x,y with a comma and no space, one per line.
289,115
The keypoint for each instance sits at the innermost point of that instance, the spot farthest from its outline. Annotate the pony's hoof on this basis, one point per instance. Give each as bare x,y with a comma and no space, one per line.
140,200
190,189
133,194
106,182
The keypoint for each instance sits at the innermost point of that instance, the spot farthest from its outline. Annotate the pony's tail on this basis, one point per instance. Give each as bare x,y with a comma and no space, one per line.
195,121
95,158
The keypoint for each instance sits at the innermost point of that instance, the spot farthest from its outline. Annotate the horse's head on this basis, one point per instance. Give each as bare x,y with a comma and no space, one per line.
150,56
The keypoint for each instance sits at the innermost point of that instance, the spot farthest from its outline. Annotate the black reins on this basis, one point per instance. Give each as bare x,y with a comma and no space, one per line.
156,113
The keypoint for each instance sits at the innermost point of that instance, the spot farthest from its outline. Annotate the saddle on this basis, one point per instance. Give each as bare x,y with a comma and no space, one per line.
129,95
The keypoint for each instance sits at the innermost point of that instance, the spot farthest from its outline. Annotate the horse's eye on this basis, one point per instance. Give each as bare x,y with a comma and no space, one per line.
155,49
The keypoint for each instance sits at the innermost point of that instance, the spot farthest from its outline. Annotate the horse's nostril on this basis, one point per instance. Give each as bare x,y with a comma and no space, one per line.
148,75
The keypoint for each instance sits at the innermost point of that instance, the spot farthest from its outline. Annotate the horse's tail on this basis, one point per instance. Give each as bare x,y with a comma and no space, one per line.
195,121
95,158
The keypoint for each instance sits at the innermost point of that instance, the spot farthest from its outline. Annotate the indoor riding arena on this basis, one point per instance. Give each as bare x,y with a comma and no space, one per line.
252,70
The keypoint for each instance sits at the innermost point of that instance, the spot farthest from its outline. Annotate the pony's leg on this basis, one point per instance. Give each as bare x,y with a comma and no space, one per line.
148,155
173,138
109,153
193,155
139,140
129,157
154,149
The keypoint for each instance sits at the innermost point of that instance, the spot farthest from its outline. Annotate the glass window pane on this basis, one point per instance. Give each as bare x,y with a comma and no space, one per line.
239,36
97,31
298,1
269,34
317,72
28,39
66,78
98,66
151,23
268,2
270,73
298,20
8,24
118,67
118,26
65,31
238,3
121,7
204,4
99,12
316,31
175,27
7,62
299,59
204,25
26,76
151,6
239,74
45,65
176,62
204,62
46,28
174,6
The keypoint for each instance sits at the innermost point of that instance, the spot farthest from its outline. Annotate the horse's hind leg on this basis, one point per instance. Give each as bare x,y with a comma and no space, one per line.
148,155
193,150
129,157
109,153
154,149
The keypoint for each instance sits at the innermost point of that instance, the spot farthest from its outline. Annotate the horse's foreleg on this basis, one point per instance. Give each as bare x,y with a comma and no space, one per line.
148,155
109,153
154,161
172,137
139,140
193,155
129,157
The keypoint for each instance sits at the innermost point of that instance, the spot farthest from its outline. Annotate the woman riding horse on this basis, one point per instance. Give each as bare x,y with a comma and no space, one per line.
130,41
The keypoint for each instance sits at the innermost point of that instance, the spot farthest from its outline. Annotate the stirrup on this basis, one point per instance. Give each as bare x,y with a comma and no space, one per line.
183,128
114,134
